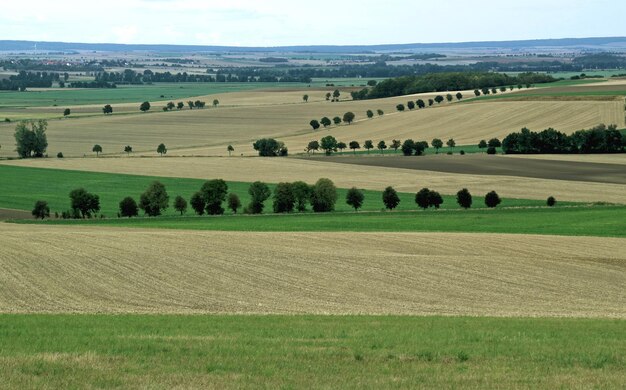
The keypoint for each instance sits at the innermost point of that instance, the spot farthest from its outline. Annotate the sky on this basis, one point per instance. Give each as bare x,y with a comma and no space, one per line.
318,22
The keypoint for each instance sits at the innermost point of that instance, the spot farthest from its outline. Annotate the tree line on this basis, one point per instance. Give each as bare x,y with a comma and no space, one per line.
23,80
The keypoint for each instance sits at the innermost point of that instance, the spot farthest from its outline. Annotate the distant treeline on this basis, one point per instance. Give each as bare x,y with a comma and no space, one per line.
25,80
440,82
600,139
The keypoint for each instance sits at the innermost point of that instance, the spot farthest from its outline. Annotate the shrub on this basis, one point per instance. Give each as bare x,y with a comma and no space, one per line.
464,198
355,198
492,199
551,201
491,150
41,210
323,196
390,198
462,152
128,207
284,199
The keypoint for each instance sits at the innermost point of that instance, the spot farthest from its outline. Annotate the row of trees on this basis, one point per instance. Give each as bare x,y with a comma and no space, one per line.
599,139
329,144
348,118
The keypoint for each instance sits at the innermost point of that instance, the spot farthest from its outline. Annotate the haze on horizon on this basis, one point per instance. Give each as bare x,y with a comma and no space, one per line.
322,22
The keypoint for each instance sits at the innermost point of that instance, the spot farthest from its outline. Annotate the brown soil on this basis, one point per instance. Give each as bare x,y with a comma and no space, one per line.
14,214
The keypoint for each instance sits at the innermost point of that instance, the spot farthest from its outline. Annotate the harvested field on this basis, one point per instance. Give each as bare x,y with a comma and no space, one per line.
482,164
618,158
14,214
121,271
275,170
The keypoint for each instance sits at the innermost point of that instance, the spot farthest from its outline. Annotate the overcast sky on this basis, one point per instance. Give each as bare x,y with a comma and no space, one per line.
317,22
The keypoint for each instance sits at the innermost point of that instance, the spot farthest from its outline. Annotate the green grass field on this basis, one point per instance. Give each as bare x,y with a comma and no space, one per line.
547,92
159,351
21,187
601,221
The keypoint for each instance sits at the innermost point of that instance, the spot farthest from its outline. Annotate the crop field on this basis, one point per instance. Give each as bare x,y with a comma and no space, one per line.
275,170
590,91
589,158
156,351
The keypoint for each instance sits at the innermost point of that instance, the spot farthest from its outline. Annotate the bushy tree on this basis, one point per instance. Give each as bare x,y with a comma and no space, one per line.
355,198
381,146
180,204
380,112
551,201
369,113
259,192
83,203
67,112
408,146
420,103
107,109
420,147
422,198
337,120
41,210
390,198
301,194
400,107
348,117
368,144
170,105
97,149
410,105
214,193
161,149
451,143
128,207
230,149
328,95
341,146
328,144
269,147
180,105
439,99
464,198
482,144
314,124
312,146
233,202
459,96
145,106
305,98
491,150
154,200
336,94
492,199
128,149
354,145
216,103
476,92
323,196
494,142
197,203
437,144
284,198
449,97
31,139
434,199
325,121
395,145
430,102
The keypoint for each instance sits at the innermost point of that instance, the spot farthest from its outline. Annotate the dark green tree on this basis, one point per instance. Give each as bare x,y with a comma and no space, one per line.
314,124
216,103
408,146
154,200
437,144
420,103
341,146
259,192
41,210
161,149
180,204
128,207
464,198
459,96
410,105
551,201
180,105
368,144
66,112
355,198
380,112
301,193
145,106
449,97
482,144
233,202
269,147
305,98
170,106
422,198
107,109
381,146
430,102
230,149
451,143
434,199
312,147
214,194
97,149
284,198
328,144
476,92
439,99
390,198
197,203
325,121
323,196
400,107
492,199
31,139
369,113
83,203
348,117
420,147
336,94
337,120
128,149
494,142
354,145
395,145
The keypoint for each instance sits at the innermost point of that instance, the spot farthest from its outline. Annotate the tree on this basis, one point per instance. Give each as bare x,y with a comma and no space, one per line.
145,106
128,207
305,98
390,198
170,106
233,202
476,92
301,194
328,144
420,103
381,146
323,196
551,201
41,210
407,147
355,198
410,105
502,89
430,102
482,144
180,204
336,120
380,112
312,147
354,145
214,193
348,117
154,200
314,124
494,142
459,96
328,95
492,199
395,145
230,149
485,91
284,199
128,149
420,147
66,112
400,107
464,198
259,192
107,109
97,149
190,104
83,203
422,198
325,121
451,143
197,203
164,108
434,199
437,144
494,90
368,145
31,142
180,105
372,83
370,114
336,94
269,147
491,150
449,97
161,149
199,104
439,99
216,103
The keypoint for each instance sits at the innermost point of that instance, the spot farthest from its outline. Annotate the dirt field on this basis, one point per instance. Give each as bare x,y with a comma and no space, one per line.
482,164
135,271
14,214
275,170
590,158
